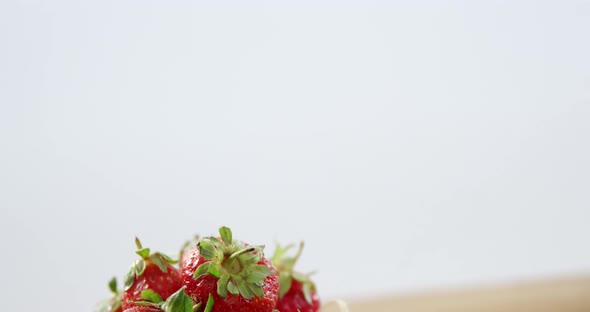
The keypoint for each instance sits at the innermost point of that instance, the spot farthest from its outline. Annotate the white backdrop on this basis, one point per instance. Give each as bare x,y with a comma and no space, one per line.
414,144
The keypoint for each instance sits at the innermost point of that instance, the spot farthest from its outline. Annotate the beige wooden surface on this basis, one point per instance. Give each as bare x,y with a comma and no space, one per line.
563,295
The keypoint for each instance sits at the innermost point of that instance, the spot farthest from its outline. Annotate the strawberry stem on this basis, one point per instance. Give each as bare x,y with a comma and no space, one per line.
138,243
241,252
231,264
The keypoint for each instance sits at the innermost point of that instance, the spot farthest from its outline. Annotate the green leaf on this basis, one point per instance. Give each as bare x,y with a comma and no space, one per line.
159,261
288,263
260,248
255,277
250,258
151,296
202,270
244,289
139,267
144,252
280,259
130,277
233,289
215,242
238,245
307,292
257,273
207,250
257,290
168,259
214,269
210,302
226,235
300,277
178,302
280,252
222,285
262,269
285,282
113,285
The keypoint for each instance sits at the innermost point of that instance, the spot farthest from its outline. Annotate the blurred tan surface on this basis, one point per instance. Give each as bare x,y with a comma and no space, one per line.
563,295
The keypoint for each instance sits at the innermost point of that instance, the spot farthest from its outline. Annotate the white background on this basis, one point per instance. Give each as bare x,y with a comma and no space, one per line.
413,144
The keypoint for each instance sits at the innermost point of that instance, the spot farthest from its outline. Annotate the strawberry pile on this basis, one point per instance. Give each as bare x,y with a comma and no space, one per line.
214,274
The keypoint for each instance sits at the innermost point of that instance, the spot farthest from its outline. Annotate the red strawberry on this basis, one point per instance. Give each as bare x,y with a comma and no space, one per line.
230,275
189,247
297,292
153,273
295,299
112,304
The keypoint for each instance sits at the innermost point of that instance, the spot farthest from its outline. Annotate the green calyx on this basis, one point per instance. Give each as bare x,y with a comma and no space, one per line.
285,267
234,264
177,302
138,267
112,303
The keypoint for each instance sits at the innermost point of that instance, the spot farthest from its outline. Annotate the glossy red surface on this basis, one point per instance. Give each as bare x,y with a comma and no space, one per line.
200,289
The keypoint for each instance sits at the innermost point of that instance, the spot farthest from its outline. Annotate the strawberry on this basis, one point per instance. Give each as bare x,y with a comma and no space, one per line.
187,248
230,275
152,273
297,293
112,304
